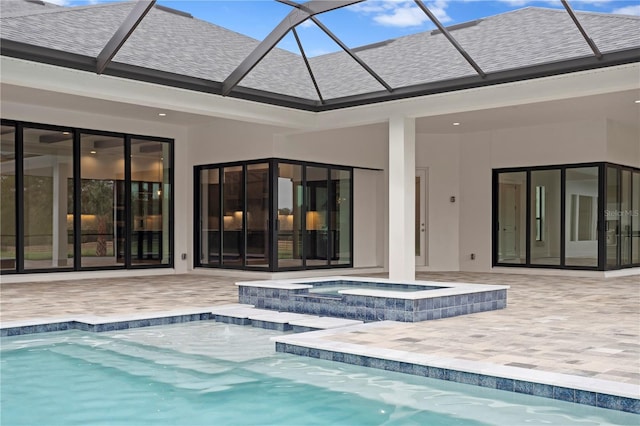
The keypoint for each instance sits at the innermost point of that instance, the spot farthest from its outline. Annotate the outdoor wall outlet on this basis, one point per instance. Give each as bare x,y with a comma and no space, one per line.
473,256
183,256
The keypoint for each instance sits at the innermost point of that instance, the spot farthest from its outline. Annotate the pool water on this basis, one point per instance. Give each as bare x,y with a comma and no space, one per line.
207,373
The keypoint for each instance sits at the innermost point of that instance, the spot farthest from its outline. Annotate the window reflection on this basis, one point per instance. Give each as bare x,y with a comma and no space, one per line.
48,198
581,237
102,218
150,200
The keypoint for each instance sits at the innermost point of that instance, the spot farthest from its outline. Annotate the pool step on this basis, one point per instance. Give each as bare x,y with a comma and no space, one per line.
194,375
274,320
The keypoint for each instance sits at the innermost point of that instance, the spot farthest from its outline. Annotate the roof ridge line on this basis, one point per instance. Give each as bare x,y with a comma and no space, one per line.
61,9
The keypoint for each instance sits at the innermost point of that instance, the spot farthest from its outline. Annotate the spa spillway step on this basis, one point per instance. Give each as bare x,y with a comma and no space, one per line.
321,323
274,320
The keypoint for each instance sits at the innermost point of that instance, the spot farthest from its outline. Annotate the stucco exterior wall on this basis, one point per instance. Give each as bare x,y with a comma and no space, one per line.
623,143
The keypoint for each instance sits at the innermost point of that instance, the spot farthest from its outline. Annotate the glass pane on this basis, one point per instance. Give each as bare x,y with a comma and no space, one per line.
316,223
258,215
8,197
102,220
290,200
341,217
48,199
512,189
232,205
635,219
625,219
612,217
150,201
545,217
210,217
581,239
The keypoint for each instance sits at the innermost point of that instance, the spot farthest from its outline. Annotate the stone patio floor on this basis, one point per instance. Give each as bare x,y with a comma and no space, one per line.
586,327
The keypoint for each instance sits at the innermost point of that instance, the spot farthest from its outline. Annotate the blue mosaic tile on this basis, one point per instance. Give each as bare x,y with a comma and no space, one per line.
438,373
505,384
487,381
437,303
420,370
314,353
326,355
521,386
585,397
405,367
542,390
463,377
608,401
377,363
352,359
337,357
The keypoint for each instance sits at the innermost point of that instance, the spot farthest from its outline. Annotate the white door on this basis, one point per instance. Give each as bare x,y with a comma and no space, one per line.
508,222
421,217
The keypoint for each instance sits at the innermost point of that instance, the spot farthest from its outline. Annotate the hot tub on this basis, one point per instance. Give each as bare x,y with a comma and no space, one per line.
373,299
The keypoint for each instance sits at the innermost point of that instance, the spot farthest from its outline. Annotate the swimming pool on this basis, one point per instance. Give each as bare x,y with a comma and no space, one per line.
212,373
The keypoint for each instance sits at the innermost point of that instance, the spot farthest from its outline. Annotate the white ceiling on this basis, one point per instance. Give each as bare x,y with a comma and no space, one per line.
618,106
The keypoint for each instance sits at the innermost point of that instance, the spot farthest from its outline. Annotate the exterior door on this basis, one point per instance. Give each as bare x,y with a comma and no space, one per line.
509,219
421,217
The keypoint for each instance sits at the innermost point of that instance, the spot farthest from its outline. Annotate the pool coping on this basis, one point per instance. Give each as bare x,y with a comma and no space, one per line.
444,288
565,387
317,344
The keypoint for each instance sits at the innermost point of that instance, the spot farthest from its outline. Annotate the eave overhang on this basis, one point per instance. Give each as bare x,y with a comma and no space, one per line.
13,49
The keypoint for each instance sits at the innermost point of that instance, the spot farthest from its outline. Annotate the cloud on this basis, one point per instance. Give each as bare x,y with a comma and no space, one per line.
628,10
402,17
306,24
401,13
59,2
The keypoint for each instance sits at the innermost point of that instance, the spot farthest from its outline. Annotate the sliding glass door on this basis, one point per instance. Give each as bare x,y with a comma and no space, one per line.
76,199
576,216
276,215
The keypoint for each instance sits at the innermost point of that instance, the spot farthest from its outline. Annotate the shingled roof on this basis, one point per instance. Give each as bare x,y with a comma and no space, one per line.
177,49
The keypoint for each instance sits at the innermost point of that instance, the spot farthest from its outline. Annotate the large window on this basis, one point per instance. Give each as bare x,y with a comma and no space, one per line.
576,216
79,199
276,215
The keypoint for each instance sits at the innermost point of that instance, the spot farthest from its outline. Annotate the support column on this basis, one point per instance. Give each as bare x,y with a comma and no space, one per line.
402,171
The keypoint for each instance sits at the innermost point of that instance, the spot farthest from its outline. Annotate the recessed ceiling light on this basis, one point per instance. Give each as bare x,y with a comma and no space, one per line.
162,114
456,124
66,133
638,101
93,152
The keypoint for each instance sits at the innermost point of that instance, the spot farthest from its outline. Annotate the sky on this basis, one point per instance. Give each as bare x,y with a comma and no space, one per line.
364,23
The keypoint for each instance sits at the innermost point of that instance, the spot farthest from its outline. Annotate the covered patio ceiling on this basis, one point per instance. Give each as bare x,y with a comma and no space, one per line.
382,89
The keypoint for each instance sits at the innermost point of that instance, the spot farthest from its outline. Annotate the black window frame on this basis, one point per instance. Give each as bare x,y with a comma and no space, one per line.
601,207
273,214
75,133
